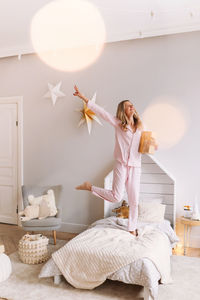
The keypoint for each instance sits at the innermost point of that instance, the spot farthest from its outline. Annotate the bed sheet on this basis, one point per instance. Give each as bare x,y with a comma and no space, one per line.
115,222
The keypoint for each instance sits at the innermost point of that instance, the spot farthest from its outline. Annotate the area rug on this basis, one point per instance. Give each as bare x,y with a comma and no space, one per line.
24,284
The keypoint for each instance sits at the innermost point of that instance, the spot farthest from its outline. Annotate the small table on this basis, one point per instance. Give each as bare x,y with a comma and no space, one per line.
188,223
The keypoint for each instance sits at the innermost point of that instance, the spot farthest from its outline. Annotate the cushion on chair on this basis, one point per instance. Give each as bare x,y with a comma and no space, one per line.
48,222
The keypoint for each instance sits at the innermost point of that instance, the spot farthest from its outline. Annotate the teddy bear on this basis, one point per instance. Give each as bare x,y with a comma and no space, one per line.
122,211
40,207
30,212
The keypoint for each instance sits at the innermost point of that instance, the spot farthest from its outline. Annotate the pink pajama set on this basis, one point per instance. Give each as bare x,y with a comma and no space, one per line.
127,166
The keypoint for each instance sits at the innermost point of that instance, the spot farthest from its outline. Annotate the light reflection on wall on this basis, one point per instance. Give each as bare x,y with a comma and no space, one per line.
68,35
168,121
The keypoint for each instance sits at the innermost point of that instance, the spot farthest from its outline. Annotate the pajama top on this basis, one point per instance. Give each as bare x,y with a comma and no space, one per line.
126,142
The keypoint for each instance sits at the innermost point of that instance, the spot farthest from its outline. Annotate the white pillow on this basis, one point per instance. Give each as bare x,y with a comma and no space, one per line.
44,210
46,202
51,203
151,212
122,221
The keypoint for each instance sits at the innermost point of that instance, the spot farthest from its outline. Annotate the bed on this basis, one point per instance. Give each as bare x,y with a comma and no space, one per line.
145,268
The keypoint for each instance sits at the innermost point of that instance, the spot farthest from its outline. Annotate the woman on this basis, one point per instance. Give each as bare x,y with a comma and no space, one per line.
127,166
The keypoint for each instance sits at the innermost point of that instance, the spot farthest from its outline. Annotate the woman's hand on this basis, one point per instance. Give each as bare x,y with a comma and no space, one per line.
77,93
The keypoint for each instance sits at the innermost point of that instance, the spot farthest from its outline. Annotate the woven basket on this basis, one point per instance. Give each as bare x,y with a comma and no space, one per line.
32,249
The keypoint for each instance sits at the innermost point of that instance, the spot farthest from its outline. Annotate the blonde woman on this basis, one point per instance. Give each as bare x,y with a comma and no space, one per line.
127,166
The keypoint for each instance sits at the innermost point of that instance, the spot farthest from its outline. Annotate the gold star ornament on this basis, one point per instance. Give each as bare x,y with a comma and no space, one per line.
88,115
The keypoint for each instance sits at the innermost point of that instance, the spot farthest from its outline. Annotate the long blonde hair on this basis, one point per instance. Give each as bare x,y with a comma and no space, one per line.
121,115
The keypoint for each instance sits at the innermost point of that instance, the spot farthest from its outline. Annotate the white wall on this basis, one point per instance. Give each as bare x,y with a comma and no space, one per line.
56,151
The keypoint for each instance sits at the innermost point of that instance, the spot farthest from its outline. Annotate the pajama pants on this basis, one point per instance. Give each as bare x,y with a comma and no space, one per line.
123,176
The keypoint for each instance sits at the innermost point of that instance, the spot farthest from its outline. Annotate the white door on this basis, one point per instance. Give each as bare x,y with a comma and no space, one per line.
8,163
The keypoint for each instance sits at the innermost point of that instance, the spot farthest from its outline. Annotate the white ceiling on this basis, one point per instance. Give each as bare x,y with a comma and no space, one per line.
124,20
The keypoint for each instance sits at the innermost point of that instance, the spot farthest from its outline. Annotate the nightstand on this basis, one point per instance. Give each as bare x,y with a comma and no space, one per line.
188,223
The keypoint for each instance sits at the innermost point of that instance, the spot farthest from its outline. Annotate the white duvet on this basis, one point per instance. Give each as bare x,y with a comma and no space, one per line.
88,259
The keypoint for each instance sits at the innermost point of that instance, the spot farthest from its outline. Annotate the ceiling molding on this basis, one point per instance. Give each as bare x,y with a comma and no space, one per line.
124,20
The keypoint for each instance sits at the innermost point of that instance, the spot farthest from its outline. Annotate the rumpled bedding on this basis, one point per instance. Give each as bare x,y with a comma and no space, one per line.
141,271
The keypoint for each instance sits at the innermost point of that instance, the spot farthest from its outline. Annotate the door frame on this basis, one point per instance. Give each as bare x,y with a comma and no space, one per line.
20,176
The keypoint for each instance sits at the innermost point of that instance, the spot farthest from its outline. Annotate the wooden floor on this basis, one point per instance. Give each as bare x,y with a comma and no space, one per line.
11,234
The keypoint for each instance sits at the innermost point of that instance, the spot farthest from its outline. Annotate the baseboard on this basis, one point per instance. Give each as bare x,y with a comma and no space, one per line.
72,227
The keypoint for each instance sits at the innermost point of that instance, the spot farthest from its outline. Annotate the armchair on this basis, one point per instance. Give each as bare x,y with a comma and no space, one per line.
49,223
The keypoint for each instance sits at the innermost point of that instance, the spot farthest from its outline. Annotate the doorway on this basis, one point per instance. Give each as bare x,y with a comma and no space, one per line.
10,158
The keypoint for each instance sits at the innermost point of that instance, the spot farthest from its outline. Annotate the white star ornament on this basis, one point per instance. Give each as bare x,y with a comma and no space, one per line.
54,92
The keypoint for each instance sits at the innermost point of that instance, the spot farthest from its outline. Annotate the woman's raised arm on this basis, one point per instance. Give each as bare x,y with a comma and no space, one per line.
97,109
77,93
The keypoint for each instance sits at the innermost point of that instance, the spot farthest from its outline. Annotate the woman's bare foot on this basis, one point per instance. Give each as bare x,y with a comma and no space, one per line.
84,186
135,232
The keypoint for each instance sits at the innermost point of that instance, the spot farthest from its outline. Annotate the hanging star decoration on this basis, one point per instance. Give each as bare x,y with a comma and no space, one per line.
88,115
54,92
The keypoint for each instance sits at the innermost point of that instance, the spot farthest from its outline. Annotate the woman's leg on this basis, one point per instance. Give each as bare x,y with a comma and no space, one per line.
119,178
133,190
